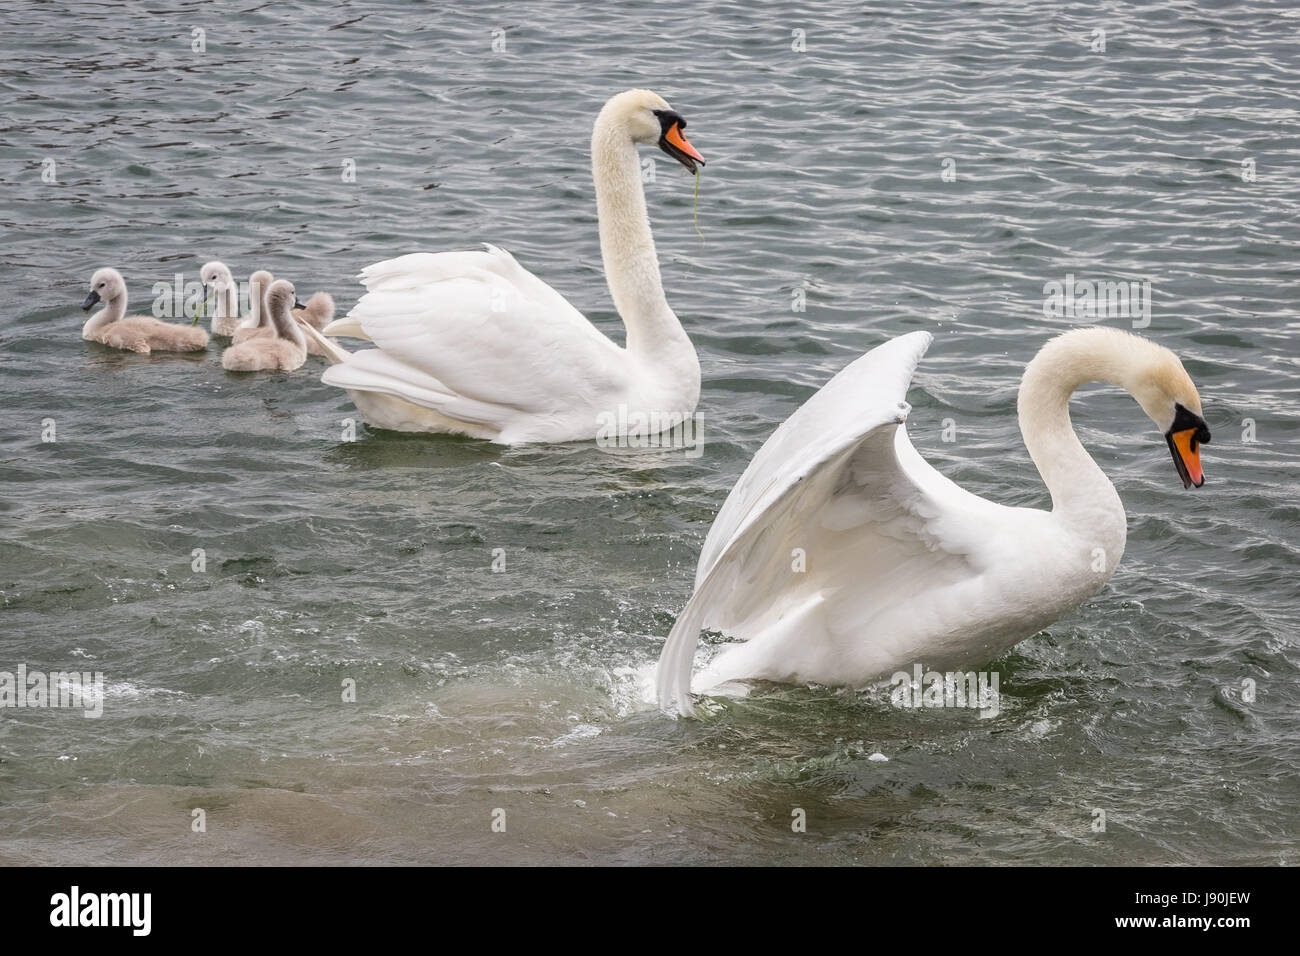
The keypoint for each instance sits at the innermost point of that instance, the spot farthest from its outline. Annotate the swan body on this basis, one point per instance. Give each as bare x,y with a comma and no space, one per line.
111,325
472,343
283,348
900,565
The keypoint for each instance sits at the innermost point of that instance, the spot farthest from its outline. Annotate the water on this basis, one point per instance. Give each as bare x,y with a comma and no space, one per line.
370,561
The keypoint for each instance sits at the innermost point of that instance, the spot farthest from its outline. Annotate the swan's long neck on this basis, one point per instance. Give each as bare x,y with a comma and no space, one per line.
228,302
285,326
113,310
258,308
626,245
1082,495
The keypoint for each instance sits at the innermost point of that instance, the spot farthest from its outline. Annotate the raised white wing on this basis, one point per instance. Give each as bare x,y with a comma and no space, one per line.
476,337
840,477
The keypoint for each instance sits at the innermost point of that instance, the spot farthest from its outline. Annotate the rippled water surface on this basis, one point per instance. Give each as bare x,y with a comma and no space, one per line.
526,690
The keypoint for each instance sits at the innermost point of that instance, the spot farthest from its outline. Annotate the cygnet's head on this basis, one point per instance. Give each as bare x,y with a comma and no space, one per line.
258,283
281,297
216,275
106,285
650,121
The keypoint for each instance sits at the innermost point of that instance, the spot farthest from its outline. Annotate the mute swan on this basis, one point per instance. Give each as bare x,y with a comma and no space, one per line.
472,343
317,311
225,316
901,565
284,349
111,325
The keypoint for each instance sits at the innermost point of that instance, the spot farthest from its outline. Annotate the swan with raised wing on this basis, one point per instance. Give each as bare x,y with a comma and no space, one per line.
841,556
472,343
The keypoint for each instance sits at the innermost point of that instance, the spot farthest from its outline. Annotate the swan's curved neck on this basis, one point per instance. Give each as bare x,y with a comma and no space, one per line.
626,245
258,308
1082,495
285,326
228,302
113,310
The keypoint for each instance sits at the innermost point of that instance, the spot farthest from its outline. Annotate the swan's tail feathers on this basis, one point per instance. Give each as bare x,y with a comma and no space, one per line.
677,659
374,370
319,310
186,338
346,326
330,349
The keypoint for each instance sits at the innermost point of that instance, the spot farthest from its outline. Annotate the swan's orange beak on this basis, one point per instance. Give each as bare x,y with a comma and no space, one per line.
677,138
1185,438
1187,457
674,141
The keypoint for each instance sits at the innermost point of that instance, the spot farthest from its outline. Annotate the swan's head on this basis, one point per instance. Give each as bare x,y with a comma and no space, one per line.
258,283
105,286
1166,393
650,121
216,279
216,275
281,297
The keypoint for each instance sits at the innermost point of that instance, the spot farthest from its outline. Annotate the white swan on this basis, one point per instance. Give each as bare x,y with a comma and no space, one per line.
472,343
111,325
902,565
284,347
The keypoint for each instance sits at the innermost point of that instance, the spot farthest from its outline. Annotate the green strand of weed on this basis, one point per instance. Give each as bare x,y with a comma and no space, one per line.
695,212
200,312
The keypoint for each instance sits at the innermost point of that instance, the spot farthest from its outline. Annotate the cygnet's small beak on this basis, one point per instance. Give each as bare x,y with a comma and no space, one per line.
90,301
297,304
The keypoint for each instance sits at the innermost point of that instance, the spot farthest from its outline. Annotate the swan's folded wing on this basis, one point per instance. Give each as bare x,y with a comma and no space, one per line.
422,268
840,463
485,329
374,370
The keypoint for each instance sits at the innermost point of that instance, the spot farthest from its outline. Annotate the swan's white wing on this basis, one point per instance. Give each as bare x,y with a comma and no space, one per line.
475,336
839,474
867,393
